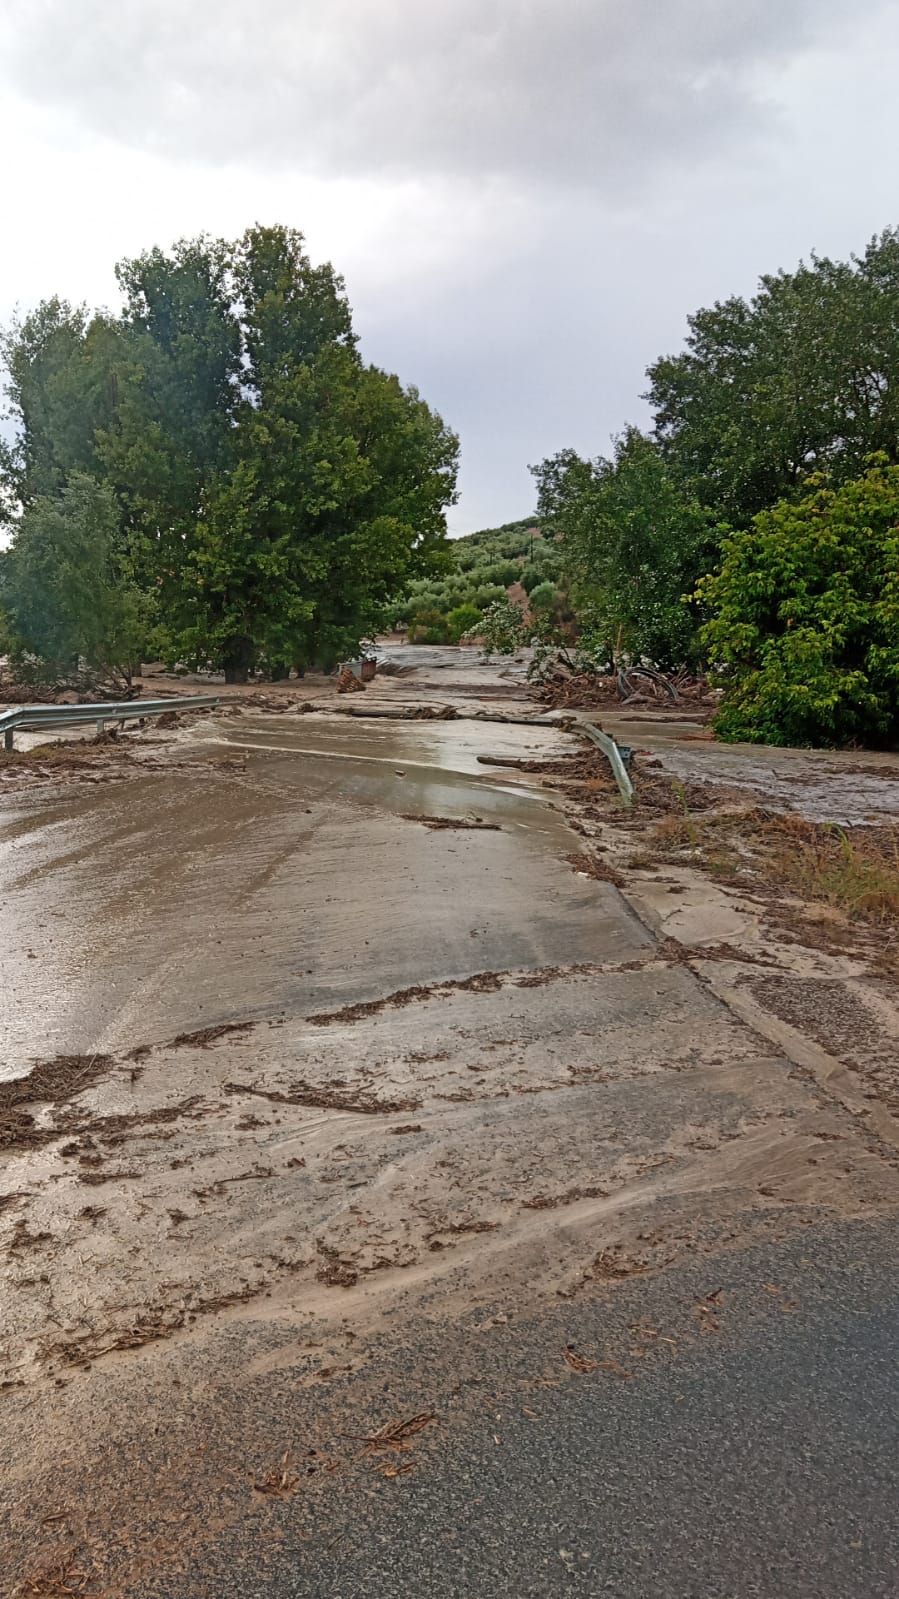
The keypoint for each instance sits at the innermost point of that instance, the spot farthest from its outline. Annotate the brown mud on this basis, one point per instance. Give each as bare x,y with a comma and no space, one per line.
332,1076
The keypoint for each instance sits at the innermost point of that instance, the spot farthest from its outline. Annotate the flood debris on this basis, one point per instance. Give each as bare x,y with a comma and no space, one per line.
584,1364
64,1575
707,1309
403,713
92,1213
23,1239
259,1174
395,1434
52,1082
280,1481
594,866
578,1362
202,1037
349,683
480,983
453,823
95,1179
569,1197
333,1271
327,1098
148,1326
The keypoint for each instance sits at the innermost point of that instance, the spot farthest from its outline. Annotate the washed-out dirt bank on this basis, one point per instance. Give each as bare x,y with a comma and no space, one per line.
322,1081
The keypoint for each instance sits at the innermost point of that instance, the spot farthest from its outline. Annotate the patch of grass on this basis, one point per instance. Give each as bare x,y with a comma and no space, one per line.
677,831
857,871
710,840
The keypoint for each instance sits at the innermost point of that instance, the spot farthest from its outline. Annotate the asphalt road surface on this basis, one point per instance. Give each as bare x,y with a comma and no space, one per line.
761,1460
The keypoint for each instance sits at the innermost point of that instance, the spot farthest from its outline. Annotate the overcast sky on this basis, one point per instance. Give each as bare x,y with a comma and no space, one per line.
526,197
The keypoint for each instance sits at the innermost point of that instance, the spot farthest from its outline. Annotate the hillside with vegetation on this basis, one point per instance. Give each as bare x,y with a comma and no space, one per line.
516,562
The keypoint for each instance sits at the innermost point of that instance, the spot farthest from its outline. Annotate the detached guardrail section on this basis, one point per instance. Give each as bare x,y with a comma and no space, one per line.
33,718
616,756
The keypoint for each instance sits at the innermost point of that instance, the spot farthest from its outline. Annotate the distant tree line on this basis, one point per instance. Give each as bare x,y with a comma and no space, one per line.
213,475
474,573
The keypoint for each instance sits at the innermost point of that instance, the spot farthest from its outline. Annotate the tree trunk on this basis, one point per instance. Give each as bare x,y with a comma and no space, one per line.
237,659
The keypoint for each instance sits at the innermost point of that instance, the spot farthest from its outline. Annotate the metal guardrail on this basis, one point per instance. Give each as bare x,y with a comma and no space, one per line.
615,757
31,718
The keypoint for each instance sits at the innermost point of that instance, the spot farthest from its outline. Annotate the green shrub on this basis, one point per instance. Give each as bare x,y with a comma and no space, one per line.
428,627
544,597
502,628
488,594
463,619
544,552
805,618
502,573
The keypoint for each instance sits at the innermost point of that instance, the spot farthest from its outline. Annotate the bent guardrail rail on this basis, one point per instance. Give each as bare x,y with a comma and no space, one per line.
615,757
31,718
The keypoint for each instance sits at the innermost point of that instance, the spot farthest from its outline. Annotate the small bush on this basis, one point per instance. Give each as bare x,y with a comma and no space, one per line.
502,573
428,627
502,628
545,597
488,594
464,619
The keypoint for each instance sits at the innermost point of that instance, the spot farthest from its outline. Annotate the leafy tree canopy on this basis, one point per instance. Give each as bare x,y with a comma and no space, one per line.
273,490
805,622
635,541
71,609
802,378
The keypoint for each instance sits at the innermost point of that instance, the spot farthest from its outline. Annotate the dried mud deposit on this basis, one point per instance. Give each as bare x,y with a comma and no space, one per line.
288,1077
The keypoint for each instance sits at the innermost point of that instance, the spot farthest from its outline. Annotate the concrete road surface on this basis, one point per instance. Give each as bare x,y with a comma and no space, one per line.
393,1213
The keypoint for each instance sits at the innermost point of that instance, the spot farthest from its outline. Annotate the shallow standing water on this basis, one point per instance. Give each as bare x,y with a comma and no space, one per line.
186,897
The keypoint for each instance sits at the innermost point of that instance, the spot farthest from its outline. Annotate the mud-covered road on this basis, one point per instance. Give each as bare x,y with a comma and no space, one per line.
343,1063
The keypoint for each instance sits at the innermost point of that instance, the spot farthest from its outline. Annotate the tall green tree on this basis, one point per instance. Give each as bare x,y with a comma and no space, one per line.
339,485
180,353
634,541
273,491
61,389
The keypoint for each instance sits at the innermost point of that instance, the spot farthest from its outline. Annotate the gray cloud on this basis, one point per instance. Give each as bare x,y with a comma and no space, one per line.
596,92
532,194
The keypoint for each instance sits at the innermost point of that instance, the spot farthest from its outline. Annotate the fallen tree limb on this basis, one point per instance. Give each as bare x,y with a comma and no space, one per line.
446,713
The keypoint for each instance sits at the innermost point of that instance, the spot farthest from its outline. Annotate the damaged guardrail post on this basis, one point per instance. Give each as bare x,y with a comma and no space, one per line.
615,757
